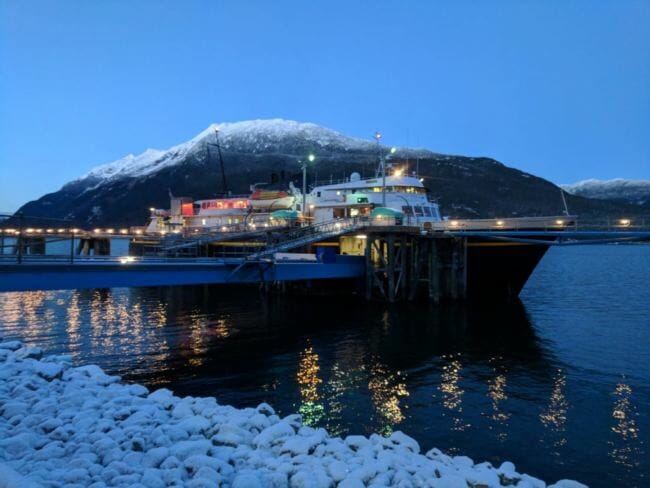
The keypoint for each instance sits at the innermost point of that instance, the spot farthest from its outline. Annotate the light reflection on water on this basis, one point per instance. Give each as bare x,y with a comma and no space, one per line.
496,382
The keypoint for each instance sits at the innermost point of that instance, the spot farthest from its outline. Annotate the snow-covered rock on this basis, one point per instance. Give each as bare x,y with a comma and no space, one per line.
79,427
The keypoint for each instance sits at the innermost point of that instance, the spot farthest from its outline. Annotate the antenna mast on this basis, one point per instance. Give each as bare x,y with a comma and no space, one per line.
224,185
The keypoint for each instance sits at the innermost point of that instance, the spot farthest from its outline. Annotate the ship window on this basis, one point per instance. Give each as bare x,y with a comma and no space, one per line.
318,194
418,211
427,211
407,210
376,189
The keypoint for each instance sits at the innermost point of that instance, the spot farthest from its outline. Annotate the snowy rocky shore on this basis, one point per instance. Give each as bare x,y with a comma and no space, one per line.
65,426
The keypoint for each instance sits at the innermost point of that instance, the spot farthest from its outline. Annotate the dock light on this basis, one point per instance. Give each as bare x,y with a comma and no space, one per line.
500,223
74,231
138,232
110,231
393,150
311,158
97,231
311,207
124,231
61,231
49,231
624,222
29,231
39,230
559,222
152,209
126,259
454,223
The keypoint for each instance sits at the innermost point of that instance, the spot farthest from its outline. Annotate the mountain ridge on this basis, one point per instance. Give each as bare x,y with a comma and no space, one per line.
120,193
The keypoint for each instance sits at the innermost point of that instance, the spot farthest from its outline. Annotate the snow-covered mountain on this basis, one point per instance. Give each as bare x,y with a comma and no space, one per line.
273,136
120,193
636,192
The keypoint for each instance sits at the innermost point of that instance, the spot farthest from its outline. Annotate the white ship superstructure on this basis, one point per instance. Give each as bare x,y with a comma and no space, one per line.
357,197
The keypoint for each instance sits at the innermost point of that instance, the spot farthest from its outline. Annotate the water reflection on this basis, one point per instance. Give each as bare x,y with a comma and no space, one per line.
625,447
311,409
497,393
387,388
555,416
452,393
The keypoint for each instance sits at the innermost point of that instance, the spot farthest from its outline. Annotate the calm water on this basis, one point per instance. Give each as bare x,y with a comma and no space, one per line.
559,383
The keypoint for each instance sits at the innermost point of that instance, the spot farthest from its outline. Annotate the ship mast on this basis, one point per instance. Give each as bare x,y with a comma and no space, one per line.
224,185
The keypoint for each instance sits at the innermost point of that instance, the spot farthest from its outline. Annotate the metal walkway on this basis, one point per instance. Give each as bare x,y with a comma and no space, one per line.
308,235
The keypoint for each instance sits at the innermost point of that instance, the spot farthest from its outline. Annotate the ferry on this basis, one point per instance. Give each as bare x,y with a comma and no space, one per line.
404,197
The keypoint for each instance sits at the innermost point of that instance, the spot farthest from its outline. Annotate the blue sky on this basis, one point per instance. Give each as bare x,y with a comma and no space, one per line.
557,88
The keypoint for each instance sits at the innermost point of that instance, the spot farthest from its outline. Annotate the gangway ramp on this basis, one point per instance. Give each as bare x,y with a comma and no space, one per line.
309,235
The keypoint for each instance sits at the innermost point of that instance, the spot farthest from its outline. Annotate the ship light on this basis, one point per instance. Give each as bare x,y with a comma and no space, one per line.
60,231
138,232
559,222
454,223
74,231
421,180
398,172
624,222
393,150
127,259
10,231
39,230
176,231
163,232
152,209
29,231
49,231
110,231
124,231
500,223
361,236
224,228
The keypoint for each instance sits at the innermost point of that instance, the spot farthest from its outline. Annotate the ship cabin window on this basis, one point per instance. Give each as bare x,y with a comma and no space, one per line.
407,210
318,194
418,211
427,211
435,213
376,189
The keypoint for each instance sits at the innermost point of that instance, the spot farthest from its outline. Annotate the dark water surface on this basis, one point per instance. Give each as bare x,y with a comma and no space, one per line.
558,383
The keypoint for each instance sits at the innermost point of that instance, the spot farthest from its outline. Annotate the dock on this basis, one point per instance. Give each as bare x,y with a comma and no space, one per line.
390,261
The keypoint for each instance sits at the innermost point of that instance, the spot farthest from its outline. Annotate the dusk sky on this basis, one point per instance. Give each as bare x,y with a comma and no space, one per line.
560,89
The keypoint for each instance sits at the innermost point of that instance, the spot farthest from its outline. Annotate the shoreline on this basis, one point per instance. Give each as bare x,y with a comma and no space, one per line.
62,425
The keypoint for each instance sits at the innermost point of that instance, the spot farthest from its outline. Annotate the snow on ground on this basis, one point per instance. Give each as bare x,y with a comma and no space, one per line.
78,427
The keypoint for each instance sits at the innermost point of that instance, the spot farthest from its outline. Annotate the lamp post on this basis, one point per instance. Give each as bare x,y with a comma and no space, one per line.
311,159
382,162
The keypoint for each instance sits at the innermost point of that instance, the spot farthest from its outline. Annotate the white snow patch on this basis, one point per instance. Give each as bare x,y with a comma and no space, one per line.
66,426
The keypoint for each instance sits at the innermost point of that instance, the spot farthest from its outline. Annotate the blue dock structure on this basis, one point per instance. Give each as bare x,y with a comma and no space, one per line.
388,260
